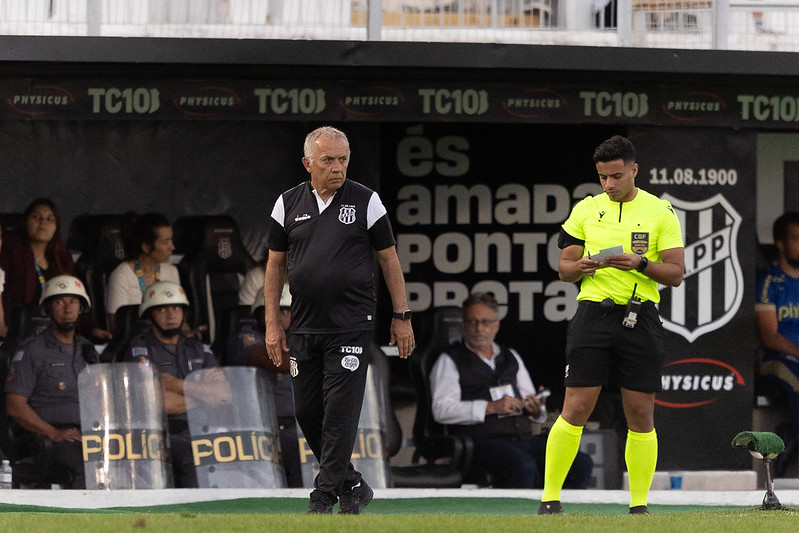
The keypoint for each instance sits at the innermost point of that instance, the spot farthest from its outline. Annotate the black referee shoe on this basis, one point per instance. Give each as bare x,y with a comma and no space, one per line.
552,507
354,501
639,509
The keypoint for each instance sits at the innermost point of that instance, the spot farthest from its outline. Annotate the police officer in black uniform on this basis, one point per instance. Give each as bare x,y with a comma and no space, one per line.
42,384
174,356
326,232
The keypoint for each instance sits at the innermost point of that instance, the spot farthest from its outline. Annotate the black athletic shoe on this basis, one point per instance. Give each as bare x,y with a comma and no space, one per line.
320,504
639,509
552,507
354,501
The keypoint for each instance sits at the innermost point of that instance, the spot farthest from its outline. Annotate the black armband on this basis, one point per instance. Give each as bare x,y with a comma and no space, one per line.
564,240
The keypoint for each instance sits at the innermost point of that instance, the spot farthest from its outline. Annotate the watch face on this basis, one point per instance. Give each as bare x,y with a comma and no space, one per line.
406,315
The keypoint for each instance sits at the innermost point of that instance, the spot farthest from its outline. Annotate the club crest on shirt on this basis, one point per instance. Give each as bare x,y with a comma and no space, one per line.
639,242
350,362
346,215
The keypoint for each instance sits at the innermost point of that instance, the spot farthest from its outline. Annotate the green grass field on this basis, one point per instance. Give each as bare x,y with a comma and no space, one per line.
286,515
700,521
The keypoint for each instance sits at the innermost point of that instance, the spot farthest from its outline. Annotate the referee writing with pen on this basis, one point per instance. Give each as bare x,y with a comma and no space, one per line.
616,328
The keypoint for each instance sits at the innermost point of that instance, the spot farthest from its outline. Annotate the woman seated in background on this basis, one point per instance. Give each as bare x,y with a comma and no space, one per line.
148,247
31,257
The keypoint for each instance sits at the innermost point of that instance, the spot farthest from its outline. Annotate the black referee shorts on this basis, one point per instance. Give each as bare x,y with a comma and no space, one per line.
597,344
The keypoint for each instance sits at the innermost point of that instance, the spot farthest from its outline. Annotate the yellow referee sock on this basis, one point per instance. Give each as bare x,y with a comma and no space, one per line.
563,444
641,455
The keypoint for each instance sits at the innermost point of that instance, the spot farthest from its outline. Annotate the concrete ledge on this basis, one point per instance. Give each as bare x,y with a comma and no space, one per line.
703,480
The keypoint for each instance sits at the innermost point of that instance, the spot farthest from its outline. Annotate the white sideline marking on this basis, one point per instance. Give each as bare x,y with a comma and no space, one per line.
96,499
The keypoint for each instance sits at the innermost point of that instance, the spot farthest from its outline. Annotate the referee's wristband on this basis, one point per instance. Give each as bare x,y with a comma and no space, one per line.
643,264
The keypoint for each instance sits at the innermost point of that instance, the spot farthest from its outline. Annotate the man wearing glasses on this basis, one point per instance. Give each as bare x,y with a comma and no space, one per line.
483,390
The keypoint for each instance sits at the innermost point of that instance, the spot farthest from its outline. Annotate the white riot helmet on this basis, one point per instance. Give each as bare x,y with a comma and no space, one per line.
162,293
65,285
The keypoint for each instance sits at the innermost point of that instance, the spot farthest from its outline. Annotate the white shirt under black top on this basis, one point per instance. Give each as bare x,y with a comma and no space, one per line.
331,248
445,388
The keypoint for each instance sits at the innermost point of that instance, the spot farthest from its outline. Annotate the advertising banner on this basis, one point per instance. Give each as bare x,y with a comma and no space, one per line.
708,374
279,100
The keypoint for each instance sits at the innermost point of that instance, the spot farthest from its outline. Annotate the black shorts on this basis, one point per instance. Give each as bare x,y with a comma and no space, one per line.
597,344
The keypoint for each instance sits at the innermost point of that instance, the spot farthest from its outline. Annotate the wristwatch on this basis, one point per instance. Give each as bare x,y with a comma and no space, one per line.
642,265
405,315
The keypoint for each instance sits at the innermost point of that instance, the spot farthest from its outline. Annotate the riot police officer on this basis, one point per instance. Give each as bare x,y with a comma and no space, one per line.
42,385
164,306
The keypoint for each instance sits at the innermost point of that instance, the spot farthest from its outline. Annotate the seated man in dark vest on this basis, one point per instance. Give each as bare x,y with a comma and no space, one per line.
483,390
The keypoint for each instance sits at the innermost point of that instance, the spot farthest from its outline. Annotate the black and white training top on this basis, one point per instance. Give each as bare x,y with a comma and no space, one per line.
331,255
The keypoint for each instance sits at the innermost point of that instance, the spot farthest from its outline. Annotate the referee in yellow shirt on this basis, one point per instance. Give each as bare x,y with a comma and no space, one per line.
619,245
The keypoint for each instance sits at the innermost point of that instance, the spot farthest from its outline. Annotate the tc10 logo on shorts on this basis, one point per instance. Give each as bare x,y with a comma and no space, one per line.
357,350
351,362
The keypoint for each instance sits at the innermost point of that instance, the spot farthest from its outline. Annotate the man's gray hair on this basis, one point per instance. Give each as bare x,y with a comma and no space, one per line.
309,149
484,298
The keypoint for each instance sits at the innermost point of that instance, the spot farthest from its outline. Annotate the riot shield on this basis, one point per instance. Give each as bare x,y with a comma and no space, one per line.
123,422
234,430
368,456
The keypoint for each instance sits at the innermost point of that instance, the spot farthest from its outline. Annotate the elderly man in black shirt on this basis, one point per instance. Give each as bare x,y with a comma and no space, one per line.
326,232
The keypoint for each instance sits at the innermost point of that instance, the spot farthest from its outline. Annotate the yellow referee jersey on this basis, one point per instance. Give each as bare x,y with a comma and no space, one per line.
644,226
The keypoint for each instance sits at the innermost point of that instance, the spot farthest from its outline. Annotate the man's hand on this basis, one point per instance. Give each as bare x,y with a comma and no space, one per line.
64,435
588,266
171,383
211,387
276,343
402,336
507,405
624,262
532,404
